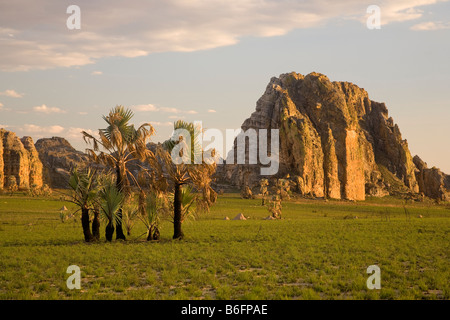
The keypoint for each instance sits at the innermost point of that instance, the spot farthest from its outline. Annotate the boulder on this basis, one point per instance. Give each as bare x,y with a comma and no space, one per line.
240,216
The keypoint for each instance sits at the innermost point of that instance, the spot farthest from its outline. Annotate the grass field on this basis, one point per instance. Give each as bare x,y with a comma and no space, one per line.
319,250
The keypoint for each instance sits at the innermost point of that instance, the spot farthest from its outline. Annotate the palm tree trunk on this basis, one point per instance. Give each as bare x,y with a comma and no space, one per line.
96,225
177,232
153,233
109,231
156,234
85,224
150,234
119,184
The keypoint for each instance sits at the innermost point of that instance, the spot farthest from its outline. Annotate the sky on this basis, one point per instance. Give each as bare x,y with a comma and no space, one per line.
211,60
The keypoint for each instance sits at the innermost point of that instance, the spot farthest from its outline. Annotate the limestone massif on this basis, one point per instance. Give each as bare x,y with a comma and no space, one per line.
334,142
49,161
58,158
19,160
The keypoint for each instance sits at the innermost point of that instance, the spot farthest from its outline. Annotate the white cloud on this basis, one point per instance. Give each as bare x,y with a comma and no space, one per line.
35,129
75,133
162,124
35,36
153,108
82,113
430,26
178,111
3,126
37,132
211,111
96,73
44,109
11,94
144,107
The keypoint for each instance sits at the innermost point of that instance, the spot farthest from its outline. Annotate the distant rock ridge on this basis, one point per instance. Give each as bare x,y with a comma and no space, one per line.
334,141
30,165
58,158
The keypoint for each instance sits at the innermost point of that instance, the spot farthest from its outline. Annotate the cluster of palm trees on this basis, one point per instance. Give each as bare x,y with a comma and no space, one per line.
162,188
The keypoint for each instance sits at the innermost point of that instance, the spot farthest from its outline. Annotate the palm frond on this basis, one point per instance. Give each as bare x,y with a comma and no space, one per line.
112,201
84,187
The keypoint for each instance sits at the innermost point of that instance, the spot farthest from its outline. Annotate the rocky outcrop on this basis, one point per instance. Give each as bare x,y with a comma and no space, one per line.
334,140
432,182
58,158
19,159
35,164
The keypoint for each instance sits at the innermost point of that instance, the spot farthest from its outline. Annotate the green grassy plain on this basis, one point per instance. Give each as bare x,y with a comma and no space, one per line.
319,250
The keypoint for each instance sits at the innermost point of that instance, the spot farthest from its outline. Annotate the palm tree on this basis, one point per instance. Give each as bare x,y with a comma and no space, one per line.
84,187
197,175
188,203
150,211
96,222
117,145
111,201
129,211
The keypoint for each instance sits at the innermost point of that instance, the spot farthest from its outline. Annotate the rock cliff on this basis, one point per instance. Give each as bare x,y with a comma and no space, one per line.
334,141
59,157
432,182
19,159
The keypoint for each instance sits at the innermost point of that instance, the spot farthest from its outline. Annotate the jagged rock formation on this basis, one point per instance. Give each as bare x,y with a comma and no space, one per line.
35,164
59,157
432,181
334,141
19,158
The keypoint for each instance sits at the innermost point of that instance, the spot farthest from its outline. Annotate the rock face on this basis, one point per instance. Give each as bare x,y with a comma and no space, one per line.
58,158
19,158
334,141
432,181
35,164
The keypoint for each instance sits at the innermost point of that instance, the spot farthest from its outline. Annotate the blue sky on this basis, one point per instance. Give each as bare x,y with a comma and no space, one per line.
211,60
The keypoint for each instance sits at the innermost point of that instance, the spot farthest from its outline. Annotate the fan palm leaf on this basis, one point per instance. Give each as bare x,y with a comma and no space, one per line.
111,201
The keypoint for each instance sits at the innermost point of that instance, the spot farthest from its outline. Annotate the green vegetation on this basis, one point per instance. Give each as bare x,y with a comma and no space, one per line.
123,143
319,250
118,145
